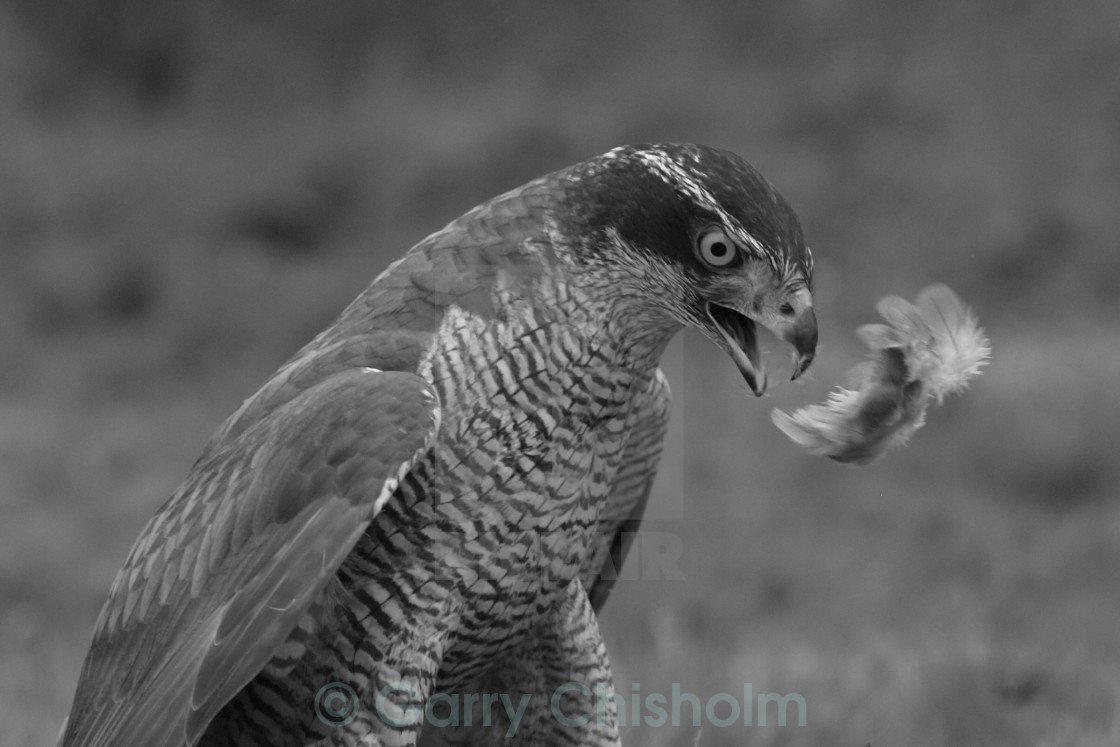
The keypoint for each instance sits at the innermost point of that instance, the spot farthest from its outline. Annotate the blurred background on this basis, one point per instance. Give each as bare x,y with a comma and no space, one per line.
189,191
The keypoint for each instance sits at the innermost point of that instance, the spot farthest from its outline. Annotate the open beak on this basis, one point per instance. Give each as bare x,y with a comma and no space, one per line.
739,333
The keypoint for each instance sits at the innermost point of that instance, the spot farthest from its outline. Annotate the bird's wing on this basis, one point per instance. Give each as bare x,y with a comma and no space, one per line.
630,490
222,573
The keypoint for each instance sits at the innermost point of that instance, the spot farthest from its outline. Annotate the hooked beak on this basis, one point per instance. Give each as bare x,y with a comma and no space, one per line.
739,334
802,334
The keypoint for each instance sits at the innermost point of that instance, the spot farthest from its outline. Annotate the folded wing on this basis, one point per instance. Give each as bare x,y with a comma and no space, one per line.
224,570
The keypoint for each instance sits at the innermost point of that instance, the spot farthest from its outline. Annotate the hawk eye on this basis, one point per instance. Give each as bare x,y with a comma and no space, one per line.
715,248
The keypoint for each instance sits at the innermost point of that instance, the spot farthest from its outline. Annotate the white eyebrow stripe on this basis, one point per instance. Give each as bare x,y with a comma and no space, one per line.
671,172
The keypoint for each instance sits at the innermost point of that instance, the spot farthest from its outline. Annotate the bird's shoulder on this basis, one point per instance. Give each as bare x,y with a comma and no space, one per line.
329,355
505,244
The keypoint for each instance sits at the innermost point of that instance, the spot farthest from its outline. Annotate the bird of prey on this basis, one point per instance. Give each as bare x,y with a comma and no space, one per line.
421,501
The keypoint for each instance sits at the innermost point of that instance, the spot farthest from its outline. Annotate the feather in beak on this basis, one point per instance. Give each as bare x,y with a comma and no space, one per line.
925,351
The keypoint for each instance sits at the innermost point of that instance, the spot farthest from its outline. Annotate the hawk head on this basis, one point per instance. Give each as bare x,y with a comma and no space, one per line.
719,247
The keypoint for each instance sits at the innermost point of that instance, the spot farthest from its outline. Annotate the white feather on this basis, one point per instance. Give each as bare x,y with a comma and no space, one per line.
926,350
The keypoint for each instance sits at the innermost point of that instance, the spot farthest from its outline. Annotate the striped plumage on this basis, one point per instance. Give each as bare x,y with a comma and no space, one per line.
421,500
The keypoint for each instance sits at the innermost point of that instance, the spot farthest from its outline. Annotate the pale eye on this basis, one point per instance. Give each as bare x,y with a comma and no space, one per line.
716,248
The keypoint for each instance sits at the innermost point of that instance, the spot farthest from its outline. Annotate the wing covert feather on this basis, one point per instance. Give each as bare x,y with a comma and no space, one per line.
223,571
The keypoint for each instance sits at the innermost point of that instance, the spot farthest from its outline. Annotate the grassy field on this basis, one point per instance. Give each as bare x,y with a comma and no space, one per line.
188,192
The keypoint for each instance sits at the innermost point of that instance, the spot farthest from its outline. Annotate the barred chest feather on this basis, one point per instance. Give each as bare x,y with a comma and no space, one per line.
505,510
